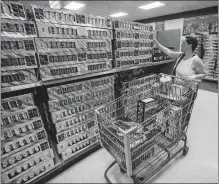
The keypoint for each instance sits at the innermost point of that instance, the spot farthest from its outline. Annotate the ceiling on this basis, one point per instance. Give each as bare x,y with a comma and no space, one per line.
106,8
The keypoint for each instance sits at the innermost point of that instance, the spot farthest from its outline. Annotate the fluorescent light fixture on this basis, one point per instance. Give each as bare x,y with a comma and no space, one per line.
119,14
151,5
55,4
74,6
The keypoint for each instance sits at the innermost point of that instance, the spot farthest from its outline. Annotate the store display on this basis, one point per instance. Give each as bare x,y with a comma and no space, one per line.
13,10
72,111
40,45
200,25
158,55
132,43
144,108
174,125
71,31
35,172
160,26
205,28
69,44
17,46
138,86
10,27
42,14
211,56
23,138
200,47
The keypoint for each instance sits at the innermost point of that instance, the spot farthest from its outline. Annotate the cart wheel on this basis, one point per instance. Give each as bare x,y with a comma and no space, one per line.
137,179
122,170
185,151
141,178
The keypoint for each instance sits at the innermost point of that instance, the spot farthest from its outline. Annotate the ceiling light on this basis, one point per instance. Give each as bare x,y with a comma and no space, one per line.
119,14
74,6
55,4
151,5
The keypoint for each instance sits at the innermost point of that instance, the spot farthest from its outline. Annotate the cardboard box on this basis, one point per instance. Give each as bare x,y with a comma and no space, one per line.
146,108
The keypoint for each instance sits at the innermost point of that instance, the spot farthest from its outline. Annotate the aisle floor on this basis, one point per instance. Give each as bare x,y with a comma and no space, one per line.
199,166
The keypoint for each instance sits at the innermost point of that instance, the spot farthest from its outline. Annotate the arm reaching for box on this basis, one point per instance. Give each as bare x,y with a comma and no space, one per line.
172,54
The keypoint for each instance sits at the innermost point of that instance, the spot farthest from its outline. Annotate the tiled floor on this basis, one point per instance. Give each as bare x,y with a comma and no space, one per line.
199,166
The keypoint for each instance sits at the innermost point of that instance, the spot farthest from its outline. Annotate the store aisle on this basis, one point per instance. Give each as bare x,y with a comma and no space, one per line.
199,166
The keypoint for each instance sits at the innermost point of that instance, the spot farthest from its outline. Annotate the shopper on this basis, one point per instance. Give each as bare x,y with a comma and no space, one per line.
188,64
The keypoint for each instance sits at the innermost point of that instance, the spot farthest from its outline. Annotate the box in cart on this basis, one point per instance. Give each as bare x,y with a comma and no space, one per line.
147,108
173,126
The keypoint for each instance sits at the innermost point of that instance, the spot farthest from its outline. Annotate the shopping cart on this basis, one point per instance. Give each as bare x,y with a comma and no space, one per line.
143,128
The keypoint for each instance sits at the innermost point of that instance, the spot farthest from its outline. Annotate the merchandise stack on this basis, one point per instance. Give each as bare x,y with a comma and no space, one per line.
73,117
18,61
159,55
132,43
216,71
39,47
211,55
25,150
136,86
71,44
214,27
199,51
205,28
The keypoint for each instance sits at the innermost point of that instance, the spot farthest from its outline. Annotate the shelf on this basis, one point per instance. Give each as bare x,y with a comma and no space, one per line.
115,70
63,165
58,81
16,88
210,79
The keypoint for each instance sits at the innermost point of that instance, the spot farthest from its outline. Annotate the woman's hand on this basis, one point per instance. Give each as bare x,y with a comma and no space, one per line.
193,77
156,42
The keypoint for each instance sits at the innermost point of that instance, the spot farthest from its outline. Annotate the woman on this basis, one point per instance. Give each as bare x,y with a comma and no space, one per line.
188,64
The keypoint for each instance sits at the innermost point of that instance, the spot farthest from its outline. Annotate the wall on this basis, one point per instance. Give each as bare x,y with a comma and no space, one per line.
175,24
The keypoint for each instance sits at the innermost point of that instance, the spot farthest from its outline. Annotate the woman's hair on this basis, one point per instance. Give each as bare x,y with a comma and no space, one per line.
192,40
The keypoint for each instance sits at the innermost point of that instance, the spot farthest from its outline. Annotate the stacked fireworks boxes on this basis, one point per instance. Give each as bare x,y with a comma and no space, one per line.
132,43
199,49
211,56
158,117
140,87
71,44
216,71
72,111
214,26
158,55
25,150
18,62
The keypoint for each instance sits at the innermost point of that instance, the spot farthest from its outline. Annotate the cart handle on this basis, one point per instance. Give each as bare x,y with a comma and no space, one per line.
183,78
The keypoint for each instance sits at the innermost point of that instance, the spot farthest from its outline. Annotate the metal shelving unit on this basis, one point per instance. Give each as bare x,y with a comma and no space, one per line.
115,70
25,86
42,64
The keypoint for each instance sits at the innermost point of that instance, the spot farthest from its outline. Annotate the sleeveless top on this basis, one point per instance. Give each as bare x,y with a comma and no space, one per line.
184,67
